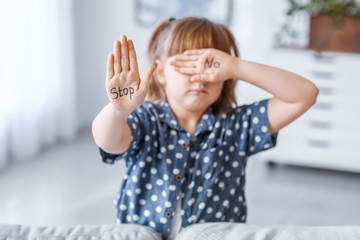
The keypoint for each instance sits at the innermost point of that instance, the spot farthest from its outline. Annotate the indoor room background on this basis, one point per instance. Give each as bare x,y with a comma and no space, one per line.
52,84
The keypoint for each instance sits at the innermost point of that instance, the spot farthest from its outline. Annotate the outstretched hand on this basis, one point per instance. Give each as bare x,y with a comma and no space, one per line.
209,64
125,89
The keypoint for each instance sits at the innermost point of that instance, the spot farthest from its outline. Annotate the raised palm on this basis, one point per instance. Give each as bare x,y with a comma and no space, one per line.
125,89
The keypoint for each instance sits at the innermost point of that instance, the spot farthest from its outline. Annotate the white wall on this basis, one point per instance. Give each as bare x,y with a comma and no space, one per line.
88,74
99,23
254,25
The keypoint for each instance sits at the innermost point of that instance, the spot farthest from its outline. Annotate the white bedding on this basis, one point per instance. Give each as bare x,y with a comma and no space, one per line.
205,231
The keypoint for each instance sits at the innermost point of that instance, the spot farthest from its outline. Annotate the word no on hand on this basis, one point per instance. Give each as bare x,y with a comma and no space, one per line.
211,63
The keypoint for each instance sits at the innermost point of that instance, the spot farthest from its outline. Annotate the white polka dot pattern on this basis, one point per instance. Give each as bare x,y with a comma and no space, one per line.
206,170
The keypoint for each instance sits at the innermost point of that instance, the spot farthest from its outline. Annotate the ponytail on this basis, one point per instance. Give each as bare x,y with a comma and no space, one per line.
155,51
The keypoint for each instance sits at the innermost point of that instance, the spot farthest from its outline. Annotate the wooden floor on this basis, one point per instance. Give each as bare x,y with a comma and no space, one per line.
69,185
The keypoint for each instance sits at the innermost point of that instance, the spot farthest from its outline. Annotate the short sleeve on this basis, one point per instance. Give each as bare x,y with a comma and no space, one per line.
140,126
256,128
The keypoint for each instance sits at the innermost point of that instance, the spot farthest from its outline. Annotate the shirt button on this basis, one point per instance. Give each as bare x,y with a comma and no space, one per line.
184,145
108,160
168,214
178,177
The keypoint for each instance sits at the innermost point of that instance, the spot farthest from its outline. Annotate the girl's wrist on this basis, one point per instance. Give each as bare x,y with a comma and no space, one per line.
121,115
235,66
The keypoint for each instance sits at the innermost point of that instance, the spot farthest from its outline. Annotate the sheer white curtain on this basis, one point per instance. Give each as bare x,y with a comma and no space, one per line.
37,79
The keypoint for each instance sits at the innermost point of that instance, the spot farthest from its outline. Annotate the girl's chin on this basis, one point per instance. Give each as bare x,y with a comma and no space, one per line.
197,105
194,104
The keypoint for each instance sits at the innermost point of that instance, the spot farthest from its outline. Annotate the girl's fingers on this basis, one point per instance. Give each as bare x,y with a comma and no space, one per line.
124,53
182,57
132,56
117,56
194,52
110,67
183,63
186,70
199,77
145,80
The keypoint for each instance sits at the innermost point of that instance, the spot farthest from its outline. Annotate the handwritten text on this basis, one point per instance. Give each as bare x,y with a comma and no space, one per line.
120,92
211,63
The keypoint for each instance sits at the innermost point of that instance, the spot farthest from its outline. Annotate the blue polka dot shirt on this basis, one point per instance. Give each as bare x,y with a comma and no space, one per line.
205,170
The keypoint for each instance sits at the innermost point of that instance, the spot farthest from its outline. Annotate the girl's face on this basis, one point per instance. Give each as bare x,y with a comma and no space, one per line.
194,96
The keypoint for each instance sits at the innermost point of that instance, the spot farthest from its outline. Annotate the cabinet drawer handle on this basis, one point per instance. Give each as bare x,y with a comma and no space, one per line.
320,57
323,106
322,75
320,124
318,143
326,90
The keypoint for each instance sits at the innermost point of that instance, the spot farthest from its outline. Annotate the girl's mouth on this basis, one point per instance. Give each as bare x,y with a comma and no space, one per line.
199,90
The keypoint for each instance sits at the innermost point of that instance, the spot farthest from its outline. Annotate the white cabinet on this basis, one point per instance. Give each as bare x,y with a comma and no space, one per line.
327,135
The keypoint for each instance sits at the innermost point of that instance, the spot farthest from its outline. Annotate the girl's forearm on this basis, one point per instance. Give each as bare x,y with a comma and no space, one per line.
284,85
110,130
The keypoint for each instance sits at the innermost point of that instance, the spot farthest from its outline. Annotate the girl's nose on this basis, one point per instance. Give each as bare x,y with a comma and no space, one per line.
194,81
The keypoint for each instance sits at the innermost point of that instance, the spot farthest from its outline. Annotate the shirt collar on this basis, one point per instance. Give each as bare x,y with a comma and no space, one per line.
166,115
206,123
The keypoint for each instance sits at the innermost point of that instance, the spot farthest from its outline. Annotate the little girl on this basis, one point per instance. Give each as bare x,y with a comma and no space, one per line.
186,146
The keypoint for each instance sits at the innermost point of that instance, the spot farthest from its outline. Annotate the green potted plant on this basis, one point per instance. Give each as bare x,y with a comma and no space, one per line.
334,24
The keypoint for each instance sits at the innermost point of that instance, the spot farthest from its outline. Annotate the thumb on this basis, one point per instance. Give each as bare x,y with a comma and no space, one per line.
145,80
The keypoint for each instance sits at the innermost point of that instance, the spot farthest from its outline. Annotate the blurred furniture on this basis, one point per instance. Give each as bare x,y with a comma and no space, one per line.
334,25
326,136
204,231
326,35
239,231
149,12
83,232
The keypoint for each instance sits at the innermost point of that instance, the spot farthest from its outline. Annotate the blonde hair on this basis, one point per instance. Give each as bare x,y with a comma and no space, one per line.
172,37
